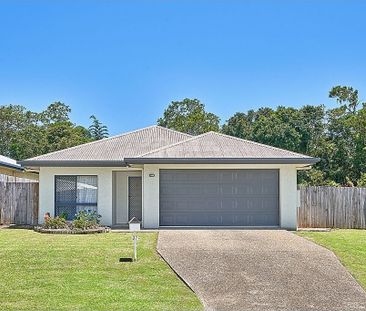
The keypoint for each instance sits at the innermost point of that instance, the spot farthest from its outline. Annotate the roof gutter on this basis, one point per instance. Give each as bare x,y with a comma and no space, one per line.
309,161
72,163
13,166
128,161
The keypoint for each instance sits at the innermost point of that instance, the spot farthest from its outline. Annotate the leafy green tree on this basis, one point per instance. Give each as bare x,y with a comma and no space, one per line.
299,130
346,96
55,112
315,177
278,129
26,134
337,136
97,130
242,124
346,131
64,134
189,116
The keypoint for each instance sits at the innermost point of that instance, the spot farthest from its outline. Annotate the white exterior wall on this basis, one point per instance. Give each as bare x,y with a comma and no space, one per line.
150,197
287,183
288,197
150,189
105,189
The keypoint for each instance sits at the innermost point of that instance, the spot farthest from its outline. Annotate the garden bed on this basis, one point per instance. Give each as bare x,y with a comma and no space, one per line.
72,231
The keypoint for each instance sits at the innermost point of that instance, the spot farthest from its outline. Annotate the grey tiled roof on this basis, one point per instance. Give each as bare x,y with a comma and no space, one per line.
157,144
217,145
116,148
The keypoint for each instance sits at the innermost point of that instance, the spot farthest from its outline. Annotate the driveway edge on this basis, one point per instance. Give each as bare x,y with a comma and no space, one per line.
334,254
179,277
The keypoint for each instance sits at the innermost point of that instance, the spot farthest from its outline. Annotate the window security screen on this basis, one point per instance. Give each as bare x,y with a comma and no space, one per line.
75,193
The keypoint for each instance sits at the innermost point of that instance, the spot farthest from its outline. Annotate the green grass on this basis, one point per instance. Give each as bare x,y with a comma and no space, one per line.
348,245
83,272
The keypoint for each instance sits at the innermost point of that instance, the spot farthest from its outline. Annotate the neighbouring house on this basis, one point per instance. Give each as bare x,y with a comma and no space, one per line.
18,193
167,178
10,167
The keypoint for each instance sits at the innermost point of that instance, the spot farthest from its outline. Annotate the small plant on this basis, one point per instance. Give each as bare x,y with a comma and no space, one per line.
86,220
64,215
55,223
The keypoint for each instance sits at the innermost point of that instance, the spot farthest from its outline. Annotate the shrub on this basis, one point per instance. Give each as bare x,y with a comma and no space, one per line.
83,220
55,223
64,215
86,220
362,181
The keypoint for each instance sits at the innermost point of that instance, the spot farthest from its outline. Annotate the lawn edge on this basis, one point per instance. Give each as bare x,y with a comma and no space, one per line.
335,255
179,277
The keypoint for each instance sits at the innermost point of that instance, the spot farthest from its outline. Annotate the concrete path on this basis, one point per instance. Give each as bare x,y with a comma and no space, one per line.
260,270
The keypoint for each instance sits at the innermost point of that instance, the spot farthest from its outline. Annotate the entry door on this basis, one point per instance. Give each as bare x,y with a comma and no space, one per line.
135,197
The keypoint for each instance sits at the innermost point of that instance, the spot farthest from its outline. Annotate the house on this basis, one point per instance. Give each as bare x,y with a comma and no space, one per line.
10,167
167,178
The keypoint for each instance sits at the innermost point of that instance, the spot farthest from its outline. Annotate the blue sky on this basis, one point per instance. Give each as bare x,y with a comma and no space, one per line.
125,61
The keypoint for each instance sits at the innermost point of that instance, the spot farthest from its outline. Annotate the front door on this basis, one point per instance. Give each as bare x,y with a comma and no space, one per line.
135,197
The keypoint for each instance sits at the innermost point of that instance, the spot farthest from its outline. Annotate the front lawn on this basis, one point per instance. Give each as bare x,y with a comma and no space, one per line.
83,272
348,245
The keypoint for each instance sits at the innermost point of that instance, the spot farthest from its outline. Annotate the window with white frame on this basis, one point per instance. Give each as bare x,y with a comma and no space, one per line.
74,193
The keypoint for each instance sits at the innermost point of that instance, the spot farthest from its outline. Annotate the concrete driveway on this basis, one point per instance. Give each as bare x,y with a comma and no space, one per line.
260,270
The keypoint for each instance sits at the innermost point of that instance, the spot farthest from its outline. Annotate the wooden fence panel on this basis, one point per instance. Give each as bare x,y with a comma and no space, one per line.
18,201
332,207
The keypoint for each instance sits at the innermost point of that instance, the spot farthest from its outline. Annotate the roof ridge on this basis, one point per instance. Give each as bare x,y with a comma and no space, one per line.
93,142
171,130
172,145
223,135
260,144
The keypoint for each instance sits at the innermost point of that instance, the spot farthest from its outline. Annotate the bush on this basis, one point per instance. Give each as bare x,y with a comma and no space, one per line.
64,215
362,181
83,220
55,223
86,220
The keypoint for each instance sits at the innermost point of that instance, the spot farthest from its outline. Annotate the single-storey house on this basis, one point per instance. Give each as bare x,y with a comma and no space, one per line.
168,178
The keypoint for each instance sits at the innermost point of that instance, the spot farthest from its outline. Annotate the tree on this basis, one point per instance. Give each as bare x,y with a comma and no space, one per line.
288,128
26,134
315,177
346,96
278,128
336,136
97,130
189,116
13,118
241,124
346,130
55,112
61,135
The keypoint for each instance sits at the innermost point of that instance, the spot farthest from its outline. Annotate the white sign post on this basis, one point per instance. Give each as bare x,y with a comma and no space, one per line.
134,225
134,238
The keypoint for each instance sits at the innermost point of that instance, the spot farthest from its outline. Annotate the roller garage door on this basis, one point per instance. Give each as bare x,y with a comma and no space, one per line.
219,198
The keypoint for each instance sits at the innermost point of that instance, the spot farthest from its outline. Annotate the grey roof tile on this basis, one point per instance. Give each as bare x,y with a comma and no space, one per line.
116,148
217,145
157,142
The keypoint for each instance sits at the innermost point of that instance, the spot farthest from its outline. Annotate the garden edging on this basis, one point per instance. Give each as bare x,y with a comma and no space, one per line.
68,231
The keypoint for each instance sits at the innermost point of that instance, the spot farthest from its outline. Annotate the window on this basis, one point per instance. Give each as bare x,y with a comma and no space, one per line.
75,193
